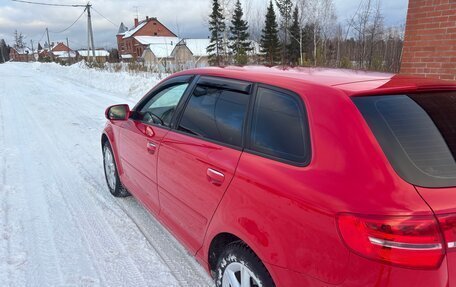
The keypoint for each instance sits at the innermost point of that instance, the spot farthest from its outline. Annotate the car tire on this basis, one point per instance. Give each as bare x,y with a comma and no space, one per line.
111,175
238,261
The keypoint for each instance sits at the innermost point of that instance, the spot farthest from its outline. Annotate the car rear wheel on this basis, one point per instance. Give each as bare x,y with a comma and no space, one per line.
238,266
111,175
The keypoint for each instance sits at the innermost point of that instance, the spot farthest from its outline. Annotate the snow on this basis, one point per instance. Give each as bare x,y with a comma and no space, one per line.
23,51
98,53
157,40
161,47
64,54
127,56
131,32
59,226
198,47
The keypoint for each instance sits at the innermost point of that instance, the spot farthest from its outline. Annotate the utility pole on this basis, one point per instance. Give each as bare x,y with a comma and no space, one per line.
49,42
90,41
68,46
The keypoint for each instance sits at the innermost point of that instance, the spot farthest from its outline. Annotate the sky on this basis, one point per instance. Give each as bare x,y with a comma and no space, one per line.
187,18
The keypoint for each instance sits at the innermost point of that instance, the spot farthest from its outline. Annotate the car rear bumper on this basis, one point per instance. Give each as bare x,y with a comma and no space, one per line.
365,273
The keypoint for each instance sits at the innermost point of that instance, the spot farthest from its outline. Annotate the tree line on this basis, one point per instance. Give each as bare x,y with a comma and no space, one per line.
304,33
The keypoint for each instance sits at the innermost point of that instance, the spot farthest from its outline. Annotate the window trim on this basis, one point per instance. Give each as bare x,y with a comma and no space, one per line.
304,119
186,79
204,80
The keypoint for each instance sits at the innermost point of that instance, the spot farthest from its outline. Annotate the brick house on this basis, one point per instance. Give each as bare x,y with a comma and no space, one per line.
430,39
128,43
21,55
59,51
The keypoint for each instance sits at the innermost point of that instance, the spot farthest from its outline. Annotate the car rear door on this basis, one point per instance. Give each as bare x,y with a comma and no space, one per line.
198,158
141,135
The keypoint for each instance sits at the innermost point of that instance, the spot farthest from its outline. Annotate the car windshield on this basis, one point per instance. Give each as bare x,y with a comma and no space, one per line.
417,132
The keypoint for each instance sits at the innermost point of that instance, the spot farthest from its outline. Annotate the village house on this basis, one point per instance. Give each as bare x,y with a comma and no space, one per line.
131,42
191,53
101,55
60,52
21,54
159,51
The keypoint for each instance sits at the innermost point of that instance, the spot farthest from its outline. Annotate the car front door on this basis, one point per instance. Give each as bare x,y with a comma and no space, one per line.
140,139
199,157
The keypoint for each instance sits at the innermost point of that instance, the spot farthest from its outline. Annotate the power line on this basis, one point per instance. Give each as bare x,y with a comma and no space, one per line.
104,17
49,4
71,24
42,36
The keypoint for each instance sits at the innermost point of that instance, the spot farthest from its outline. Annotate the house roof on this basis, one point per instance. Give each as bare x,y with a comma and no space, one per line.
131,32
22,51
98,53
163,49
64,54
153,40
122,29
198,47
60,46
141,25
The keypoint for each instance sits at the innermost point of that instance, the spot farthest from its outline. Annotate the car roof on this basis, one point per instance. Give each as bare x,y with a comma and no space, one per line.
351,82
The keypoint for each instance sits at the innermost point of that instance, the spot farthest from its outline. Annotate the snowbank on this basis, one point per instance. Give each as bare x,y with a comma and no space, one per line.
120,84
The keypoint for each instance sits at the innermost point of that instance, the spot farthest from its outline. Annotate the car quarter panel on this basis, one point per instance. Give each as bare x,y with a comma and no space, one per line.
287,214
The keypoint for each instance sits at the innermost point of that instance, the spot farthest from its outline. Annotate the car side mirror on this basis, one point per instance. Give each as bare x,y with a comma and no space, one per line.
118,112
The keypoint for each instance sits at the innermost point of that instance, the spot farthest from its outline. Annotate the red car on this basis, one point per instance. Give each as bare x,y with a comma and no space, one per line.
300,177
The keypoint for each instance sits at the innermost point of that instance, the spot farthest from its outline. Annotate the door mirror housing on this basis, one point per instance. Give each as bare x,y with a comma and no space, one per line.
118,112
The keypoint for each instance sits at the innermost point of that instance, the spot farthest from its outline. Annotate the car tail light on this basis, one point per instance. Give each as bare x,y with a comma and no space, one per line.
413,242
448,226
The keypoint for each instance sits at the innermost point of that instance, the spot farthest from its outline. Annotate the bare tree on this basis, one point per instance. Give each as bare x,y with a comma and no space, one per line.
321,16
375,32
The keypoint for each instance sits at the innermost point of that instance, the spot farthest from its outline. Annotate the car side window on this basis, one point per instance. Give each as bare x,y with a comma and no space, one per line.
278,126
161,107
216,114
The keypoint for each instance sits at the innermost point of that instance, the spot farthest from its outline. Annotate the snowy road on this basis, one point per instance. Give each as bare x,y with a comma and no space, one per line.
59,226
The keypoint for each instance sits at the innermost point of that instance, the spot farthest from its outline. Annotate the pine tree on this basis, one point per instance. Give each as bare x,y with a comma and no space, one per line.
294,47
269,43
239,37
285,9
216,48
2,51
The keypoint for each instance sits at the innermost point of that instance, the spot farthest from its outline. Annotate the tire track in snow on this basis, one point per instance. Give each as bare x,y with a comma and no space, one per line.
172,252
39,241
91,221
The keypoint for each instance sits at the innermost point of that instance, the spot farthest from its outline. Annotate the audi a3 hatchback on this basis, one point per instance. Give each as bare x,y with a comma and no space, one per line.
299,177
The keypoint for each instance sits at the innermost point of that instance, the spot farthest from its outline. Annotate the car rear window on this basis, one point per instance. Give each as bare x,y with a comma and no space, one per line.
417,132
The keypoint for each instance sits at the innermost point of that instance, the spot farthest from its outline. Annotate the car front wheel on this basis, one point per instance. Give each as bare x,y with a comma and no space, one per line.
111,175
238,266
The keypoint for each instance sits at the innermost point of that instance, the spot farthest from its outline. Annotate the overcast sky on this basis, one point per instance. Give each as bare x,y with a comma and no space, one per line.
187,18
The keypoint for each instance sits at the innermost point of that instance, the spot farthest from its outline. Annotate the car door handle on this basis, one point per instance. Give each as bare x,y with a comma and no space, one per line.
215,177
151,147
